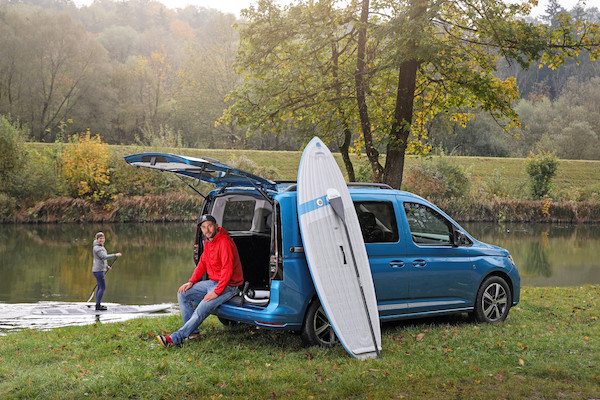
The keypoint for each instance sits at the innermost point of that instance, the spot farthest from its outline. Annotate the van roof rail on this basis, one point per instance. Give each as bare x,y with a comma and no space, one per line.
293,187
370,184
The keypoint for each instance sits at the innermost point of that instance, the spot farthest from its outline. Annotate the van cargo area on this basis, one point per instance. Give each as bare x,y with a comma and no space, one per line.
248,219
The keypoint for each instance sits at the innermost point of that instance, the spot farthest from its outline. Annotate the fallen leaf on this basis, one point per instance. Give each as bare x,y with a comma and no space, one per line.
420,337
521,362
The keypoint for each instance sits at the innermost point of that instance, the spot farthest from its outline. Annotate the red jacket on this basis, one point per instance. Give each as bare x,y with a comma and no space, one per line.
222,262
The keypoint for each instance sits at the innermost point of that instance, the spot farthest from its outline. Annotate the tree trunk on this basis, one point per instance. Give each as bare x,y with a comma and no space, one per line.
344,150
405,98
398,139
345,146
361,99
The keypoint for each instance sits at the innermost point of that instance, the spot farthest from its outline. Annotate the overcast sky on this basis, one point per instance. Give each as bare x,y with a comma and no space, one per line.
234,6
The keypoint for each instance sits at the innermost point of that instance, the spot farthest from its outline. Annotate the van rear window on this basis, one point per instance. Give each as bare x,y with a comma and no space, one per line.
377,221
238,215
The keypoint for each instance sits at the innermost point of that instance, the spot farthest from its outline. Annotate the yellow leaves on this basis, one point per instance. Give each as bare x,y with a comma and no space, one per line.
85,167
461,118
182,29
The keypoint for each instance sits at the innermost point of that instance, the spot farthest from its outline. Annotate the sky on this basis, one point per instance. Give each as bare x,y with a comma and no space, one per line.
234,6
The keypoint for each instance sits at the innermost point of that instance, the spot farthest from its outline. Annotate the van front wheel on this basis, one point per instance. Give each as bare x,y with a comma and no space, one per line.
317,330
493,300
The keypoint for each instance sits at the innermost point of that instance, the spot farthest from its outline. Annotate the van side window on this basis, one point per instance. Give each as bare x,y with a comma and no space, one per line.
238,215
427,226
377,221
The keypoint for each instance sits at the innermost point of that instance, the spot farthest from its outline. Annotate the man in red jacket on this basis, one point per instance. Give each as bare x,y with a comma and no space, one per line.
220,259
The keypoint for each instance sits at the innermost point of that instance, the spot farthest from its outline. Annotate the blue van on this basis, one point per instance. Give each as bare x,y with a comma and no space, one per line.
422,262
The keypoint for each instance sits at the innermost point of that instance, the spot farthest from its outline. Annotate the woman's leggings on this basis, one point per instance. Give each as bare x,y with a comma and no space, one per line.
101,286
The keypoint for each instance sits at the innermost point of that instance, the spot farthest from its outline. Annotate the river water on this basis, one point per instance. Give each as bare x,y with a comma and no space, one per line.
41,265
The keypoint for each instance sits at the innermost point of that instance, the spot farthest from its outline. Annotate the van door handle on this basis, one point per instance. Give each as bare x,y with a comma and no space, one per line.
419,263
396,264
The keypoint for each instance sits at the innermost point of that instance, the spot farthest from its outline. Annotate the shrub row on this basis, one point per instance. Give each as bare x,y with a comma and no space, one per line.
186,207
503,210
152,208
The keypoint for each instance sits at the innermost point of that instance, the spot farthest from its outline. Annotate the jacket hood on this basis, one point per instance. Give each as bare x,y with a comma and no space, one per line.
97,244
221,232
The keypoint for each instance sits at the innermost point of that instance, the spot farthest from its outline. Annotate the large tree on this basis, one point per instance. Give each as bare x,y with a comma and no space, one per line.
410,60
48,64
297,68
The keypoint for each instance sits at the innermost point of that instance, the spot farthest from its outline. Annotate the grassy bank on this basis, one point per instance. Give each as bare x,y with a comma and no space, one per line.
497,189
549,347
573,174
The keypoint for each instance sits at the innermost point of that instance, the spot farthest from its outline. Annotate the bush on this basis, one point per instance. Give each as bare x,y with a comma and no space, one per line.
436,178
12,151
37,180
245,164
541,169
85,168
131,181
8,207
365,172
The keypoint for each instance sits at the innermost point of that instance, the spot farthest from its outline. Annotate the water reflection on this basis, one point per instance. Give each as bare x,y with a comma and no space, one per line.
53,262
41,263
547,255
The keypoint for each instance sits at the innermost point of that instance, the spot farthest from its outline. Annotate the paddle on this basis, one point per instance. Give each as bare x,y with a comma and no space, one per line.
94,289
335,199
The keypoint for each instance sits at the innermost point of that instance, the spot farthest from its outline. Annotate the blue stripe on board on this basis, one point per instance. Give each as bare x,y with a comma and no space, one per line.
312,205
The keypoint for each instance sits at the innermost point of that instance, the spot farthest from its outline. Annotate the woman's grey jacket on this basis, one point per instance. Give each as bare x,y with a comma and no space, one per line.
100,257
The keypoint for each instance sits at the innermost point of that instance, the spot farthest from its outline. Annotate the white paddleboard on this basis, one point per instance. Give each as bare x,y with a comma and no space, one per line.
335,254
87,309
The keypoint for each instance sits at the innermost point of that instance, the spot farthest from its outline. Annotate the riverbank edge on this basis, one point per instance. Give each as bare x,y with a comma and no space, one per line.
178,207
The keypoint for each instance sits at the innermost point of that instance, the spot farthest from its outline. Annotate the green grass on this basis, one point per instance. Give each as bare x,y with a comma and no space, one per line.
571,173
549,347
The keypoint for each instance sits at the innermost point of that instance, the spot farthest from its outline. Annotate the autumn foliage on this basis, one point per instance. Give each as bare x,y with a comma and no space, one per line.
85,168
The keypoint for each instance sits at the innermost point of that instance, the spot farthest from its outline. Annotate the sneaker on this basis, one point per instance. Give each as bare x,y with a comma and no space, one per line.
100,308
165,341
194,336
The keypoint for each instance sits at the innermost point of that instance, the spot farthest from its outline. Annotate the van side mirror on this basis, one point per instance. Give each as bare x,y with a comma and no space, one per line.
459,238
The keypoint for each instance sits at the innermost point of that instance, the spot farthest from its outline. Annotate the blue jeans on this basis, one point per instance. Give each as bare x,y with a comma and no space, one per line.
100,287
193,318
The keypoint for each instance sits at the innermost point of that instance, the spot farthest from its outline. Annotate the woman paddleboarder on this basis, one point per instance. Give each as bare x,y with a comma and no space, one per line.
100,267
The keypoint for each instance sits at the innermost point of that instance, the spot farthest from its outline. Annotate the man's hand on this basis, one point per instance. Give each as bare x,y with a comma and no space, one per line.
184,288
210,296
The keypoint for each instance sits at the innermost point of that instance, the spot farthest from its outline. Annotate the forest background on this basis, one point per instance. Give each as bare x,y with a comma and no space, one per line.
137,73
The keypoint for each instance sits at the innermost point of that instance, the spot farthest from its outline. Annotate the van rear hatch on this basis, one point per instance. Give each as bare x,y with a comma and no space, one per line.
204,169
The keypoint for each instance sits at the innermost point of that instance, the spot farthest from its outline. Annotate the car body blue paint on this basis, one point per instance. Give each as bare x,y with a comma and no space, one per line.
414,276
